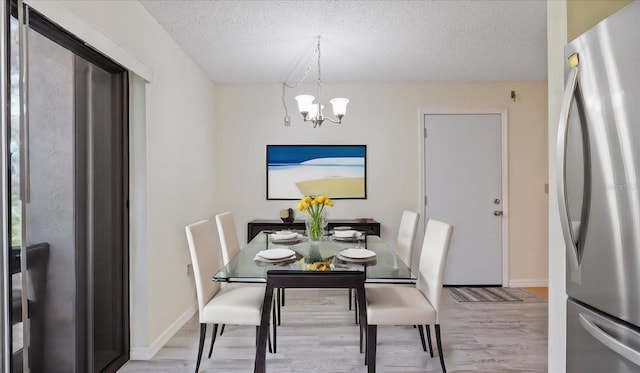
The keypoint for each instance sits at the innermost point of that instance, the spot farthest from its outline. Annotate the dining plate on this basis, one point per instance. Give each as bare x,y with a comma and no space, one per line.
343,228
275,261
276,254
352,260
283,235
349,233
294,240
354,253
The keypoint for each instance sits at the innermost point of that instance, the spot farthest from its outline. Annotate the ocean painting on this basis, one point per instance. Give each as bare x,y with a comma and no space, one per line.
337,171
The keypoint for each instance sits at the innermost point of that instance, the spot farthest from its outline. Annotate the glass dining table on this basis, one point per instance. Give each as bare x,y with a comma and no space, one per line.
323,264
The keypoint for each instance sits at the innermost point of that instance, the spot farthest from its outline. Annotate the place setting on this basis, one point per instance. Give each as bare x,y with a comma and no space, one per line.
356,255
286,237
346,234
276,255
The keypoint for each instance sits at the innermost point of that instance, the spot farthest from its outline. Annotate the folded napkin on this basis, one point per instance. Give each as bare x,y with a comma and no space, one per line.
284,235
347,234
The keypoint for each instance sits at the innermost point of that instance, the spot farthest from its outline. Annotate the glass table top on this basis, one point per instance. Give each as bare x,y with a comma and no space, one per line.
386,267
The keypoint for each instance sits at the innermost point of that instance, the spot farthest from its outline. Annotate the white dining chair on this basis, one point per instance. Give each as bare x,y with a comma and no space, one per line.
236,305
404,244
229,244
407,236
420,305
230,247
228,236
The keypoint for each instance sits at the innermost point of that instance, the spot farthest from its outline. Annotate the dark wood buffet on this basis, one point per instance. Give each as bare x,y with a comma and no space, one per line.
256,226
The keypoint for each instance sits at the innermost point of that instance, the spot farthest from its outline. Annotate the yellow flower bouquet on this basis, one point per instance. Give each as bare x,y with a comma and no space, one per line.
314,207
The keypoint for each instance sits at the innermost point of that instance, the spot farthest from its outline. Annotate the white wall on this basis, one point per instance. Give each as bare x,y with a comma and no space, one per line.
556,40
178,158
386,118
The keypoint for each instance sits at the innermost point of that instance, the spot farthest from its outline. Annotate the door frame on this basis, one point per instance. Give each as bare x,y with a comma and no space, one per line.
505,175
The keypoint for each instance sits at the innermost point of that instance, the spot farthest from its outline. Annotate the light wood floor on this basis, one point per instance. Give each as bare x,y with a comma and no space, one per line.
318,334
542,292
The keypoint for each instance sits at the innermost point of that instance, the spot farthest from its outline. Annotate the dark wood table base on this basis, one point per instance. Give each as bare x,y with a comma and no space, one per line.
306,279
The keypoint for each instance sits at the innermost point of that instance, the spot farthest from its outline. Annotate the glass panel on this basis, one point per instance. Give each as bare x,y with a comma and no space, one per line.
16,206
50,212
387,267
69,230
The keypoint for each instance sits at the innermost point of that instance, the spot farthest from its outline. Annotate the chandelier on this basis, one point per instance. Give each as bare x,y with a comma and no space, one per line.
313,112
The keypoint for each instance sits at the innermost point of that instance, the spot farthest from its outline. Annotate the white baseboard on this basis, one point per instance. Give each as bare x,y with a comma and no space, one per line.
529,283
147,353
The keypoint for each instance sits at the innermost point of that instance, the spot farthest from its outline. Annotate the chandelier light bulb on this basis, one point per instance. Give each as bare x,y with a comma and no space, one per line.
339,106
304,103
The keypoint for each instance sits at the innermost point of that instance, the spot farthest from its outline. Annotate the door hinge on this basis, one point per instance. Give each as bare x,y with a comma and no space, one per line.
425,201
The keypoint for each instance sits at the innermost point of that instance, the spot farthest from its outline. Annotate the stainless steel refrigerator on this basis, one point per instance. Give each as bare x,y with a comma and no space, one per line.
599,194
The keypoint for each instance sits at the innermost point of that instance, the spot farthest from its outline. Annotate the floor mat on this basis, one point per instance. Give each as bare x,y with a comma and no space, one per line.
490,294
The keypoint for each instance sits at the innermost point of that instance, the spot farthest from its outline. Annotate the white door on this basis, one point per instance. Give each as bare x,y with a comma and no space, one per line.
463,172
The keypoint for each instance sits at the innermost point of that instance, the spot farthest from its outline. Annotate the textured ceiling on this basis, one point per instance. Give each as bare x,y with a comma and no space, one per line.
362,41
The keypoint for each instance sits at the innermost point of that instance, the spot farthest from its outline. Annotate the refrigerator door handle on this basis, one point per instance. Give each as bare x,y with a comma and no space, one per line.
563,127
609,341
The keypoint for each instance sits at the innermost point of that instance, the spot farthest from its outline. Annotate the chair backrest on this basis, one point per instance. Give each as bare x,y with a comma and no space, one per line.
204,260
228,236
407,236
433,260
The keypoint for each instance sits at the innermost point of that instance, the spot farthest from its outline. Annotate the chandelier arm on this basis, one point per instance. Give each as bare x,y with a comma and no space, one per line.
339,121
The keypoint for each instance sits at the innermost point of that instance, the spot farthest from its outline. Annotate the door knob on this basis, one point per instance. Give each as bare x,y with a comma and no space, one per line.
497,213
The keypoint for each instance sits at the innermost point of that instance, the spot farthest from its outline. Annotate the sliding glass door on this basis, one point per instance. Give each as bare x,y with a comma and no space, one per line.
65,233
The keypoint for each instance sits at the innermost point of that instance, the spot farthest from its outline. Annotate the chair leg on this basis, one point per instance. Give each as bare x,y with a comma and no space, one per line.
278,292
424,346
350,296
371,348
355,307
222,330
428,327
439,343
361,346
275,327
203,333
213,339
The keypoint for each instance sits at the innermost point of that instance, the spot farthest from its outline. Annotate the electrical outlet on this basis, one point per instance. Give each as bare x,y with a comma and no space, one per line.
189,270
287,121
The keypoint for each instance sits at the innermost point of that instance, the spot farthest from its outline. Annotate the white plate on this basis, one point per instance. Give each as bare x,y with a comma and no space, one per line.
283,235
258,257
341,228
276,254
353,253
347,234
294,240
352,260
346,239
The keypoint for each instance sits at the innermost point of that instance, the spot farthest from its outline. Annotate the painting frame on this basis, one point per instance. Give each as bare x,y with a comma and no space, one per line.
296,170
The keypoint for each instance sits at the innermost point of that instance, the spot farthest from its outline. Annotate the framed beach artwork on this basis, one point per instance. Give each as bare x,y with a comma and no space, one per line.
337,171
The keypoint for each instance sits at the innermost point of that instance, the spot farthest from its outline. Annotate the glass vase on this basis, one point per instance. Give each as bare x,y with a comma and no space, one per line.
314,255
315,226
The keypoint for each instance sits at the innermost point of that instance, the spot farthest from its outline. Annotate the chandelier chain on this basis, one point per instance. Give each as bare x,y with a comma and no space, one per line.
316,55
319,74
